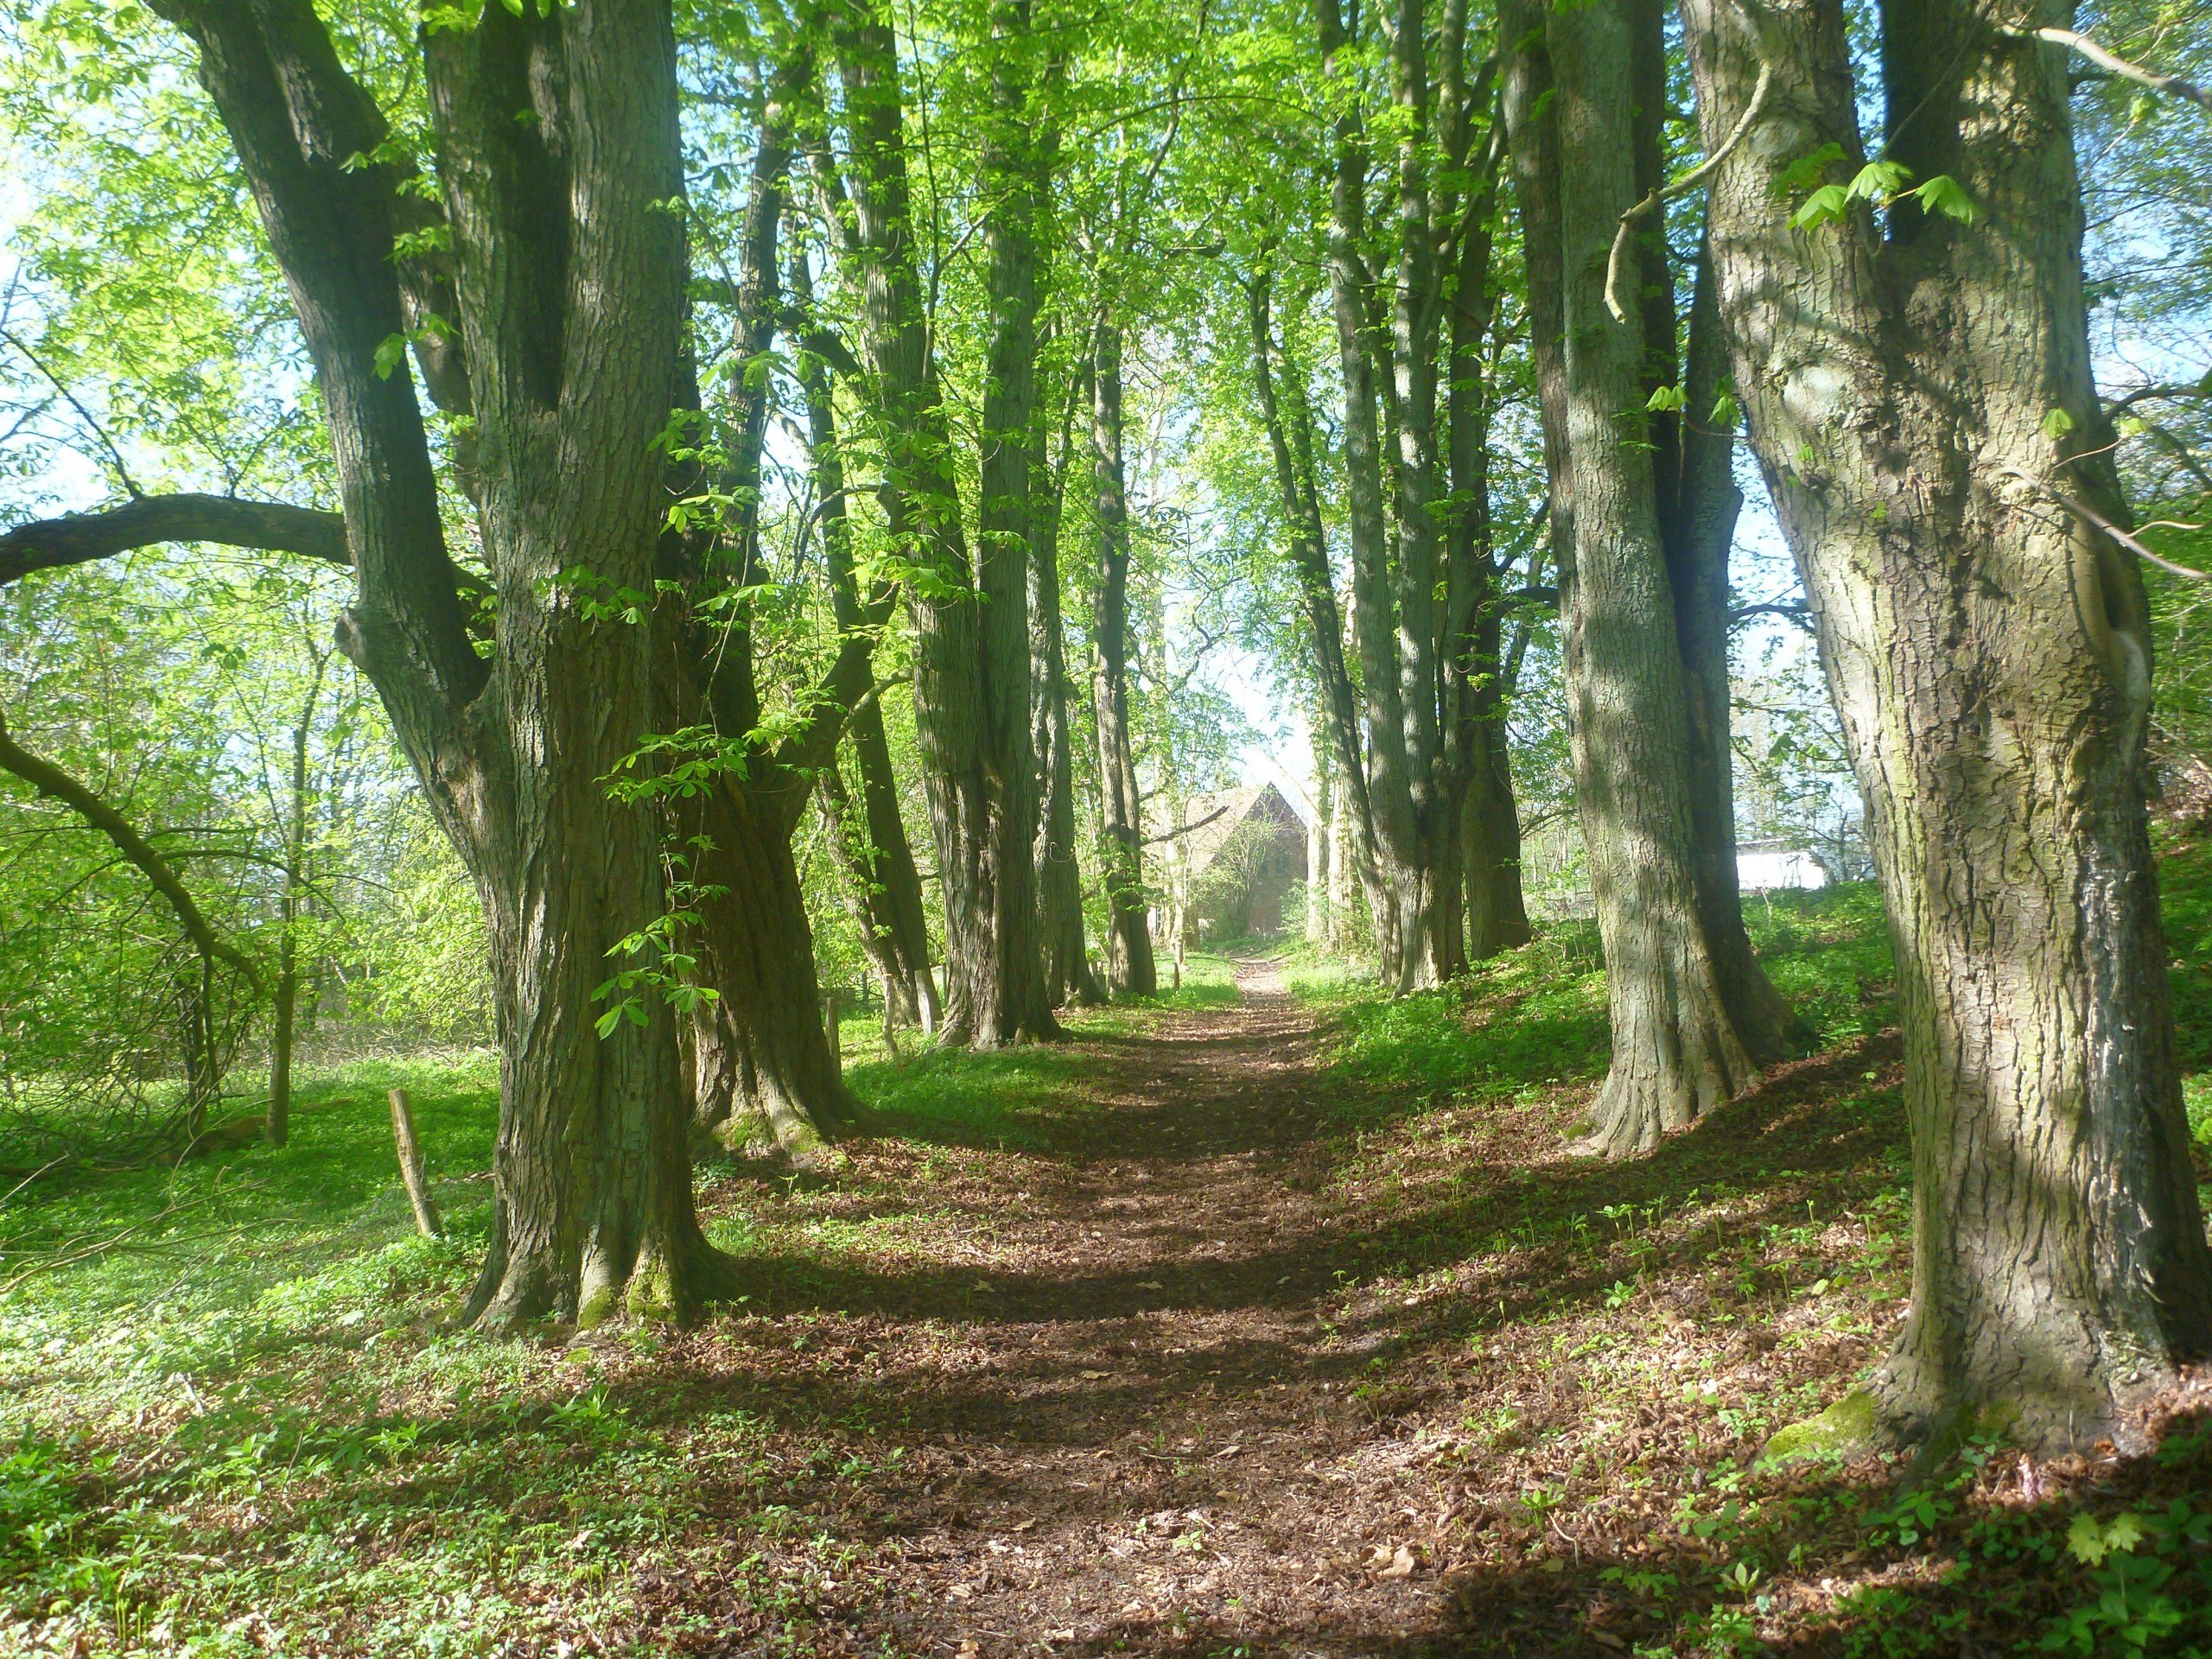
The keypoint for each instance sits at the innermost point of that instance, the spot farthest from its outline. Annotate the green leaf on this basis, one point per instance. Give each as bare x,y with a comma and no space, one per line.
1879,180
1667,399
2091,1541
1829,202
1726,415
2056,424
1807,171
389,352
1946,195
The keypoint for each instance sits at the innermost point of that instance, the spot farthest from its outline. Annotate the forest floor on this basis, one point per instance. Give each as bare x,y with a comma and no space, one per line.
1275,1320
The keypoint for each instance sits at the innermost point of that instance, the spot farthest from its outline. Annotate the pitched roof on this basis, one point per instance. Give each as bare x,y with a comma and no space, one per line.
1212,818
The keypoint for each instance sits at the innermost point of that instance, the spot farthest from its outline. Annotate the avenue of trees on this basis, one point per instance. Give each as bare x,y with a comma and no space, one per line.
583,525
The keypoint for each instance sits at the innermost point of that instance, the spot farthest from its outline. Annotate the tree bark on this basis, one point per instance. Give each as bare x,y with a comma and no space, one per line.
1989,657
1676,1052
1018,150
1130,969
898,920
854,857
1397,899
994,994
1477,766
87,538
276,1125
1693,464
571,275
762,1066
1287,414
569,302
1068,974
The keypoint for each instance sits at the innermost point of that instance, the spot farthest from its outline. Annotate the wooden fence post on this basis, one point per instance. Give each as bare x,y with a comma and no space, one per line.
410,1166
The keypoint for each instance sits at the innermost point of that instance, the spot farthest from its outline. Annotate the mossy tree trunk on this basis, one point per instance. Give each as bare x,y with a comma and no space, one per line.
1988,651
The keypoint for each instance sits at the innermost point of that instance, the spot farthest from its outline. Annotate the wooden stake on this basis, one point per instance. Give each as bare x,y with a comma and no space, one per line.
410,1166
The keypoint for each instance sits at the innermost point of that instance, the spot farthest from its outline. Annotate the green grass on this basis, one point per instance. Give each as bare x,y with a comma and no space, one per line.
1018,1099
237,1425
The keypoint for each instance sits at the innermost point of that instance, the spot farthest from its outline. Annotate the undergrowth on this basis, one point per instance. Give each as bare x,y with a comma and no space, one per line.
232,1419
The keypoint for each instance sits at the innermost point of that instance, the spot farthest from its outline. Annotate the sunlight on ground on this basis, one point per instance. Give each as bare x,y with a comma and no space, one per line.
1227,1327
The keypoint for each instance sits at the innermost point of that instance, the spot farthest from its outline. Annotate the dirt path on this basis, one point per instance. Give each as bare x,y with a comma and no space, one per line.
1126,1423
1179,1375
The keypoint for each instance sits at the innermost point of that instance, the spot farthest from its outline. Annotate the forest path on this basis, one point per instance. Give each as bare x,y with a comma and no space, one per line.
1140,1408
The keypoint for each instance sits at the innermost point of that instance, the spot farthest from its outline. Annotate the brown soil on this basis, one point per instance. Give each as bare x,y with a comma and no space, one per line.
1211,1373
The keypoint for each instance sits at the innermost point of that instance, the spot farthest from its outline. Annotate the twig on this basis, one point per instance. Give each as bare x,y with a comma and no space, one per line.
2105,59
122,469
1181,830
68,1256
33,1176
1688,181
2090,515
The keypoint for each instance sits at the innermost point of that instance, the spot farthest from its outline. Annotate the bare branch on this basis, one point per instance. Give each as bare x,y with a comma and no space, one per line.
51,781
84,538
2172,85
1687,183
2090,515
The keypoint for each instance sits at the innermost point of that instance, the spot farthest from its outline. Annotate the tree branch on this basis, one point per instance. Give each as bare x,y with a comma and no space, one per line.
1688,181
51,781
1788,610
2089,515
2172,85
84,538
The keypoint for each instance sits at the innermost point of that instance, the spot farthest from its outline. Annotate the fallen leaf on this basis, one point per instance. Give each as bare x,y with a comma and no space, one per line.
1396,1564
1150,1284
1092,1376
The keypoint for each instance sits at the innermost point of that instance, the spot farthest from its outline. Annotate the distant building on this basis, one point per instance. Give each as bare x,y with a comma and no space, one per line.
1230,862
1778,869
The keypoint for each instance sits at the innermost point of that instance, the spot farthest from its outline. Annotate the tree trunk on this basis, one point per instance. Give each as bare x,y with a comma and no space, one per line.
571,282
994,991
904,914
764,1069
1397,901
1318,838
1497,916
856,858
568,305
276,1125
1130,970
1675,1051
1017,158
1286,412
1068,975
1479,771
1693,464
1989,656
898,923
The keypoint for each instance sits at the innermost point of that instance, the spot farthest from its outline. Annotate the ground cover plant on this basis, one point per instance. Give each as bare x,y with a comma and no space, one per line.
988,826
1273,1326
